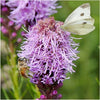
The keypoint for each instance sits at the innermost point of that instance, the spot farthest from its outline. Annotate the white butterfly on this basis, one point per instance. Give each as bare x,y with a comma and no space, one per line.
79,21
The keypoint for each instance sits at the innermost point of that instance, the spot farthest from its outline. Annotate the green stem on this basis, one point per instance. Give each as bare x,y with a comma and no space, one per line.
14,72
5,93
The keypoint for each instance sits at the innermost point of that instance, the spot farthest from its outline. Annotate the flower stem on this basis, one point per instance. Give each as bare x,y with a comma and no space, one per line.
14,76
14,72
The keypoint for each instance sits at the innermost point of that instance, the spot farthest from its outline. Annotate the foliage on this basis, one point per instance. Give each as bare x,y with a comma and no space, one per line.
83,84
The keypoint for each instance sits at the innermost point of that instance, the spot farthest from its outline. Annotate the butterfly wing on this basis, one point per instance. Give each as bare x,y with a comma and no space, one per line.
79,21
82,12
81,27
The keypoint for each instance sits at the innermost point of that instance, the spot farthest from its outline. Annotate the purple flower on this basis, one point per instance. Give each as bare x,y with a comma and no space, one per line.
54,92
19,40
4,9
2,2
59,96
14,34
4,30
42,97
10,23
1,20
27,12
8,28
23,33
50,51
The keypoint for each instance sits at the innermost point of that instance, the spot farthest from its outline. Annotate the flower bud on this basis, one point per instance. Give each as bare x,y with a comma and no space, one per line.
1,20
54,92
10,23
59,96
37,99
17,27
19,40
59,85
14,35
4,30
4,9
23,33
43,97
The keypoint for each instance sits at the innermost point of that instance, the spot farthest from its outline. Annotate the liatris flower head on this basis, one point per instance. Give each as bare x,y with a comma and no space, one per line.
51,52
27,12
8,27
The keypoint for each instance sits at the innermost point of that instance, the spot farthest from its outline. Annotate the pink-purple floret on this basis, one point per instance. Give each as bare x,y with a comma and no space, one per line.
31,10
50,51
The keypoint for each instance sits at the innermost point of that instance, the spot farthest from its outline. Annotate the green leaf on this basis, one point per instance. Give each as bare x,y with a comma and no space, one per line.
5,93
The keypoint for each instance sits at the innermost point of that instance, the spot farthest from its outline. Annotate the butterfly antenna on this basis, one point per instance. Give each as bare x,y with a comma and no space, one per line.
76,38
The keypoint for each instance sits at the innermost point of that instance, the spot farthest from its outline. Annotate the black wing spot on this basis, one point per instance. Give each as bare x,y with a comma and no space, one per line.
84,22
82,14
85,5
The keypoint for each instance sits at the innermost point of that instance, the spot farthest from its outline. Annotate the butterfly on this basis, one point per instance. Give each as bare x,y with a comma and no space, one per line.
79,21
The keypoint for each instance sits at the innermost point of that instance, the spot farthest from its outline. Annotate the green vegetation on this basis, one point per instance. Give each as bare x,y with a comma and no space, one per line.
84,83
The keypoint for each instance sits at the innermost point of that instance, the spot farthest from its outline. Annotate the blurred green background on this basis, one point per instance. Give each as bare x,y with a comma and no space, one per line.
84,83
